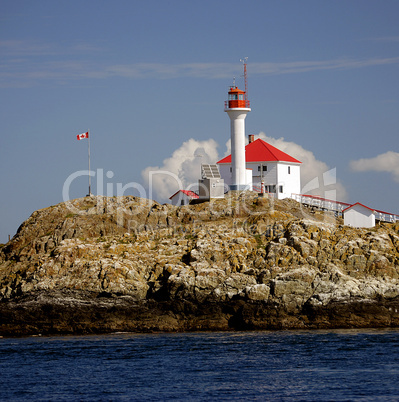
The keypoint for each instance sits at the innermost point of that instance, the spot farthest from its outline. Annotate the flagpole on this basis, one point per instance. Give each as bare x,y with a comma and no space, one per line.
89,162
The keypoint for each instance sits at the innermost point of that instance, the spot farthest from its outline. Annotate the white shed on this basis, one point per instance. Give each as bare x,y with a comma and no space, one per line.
183,197
360,216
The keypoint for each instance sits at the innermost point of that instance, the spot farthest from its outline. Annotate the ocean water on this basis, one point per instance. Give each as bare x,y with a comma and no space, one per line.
341,365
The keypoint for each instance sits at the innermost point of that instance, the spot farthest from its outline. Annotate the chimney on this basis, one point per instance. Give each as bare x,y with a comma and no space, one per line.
251,138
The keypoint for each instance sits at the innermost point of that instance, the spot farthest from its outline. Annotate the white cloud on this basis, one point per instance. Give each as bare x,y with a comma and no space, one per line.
227,70
318,65
388,162
317,177
182,170
387,39
22,67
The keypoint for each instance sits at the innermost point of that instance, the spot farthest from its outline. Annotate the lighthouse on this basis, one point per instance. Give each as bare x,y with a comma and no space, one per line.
237,107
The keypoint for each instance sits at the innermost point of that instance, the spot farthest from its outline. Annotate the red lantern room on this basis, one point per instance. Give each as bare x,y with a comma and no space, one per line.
236,99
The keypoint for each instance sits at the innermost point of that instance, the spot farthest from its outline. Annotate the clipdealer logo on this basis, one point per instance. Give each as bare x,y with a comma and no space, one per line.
106,188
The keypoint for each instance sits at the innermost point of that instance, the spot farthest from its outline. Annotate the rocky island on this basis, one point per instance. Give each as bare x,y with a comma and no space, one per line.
108,264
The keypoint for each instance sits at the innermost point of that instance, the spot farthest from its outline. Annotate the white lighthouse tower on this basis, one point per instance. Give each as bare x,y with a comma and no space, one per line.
237,107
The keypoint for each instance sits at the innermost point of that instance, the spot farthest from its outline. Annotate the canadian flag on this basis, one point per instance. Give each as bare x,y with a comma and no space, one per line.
83,135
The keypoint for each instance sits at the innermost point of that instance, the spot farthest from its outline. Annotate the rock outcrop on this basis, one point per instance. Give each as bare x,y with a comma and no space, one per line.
102,264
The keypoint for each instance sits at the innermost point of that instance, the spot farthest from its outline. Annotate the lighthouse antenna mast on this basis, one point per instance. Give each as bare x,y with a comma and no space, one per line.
244,61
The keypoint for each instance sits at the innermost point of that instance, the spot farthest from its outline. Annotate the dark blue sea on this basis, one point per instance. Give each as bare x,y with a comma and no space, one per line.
344,365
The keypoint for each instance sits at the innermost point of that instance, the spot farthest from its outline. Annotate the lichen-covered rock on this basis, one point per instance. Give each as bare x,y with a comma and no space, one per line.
102,264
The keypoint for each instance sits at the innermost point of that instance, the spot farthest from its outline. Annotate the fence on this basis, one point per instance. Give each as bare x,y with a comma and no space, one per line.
325,204
321,203
385,216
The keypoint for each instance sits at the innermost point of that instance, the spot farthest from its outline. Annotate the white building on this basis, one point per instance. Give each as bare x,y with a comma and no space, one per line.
280,172
359,216
183,197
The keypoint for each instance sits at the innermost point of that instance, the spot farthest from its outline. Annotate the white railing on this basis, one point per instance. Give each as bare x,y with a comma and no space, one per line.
385,216
325,204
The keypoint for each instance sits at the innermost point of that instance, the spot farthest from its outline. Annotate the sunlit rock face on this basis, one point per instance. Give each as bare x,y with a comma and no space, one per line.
101,264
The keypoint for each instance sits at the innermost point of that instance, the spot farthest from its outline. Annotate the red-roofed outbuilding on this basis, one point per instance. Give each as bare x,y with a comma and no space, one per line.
358,215
183,197
279,171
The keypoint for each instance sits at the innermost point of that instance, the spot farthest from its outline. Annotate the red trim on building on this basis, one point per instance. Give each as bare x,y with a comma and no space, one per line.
187,192
364,206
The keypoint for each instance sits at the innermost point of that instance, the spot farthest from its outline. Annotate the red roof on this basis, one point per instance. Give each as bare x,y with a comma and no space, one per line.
234,90
261,151
364,206
187,192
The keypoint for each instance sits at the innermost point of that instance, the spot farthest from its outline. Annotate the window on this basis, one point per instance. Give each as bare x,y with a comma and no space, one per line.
280,189
265,168
241,97
289,169
231,170
182,202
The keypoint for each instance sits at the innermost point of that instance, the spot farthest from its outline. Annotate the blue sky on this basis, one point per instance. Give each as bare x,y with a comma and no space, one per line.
148,77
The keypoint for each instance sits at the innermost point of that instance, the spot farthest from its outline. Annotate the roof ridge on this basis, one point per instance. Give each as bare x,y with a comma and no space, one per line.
186,192
255,150
265,144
